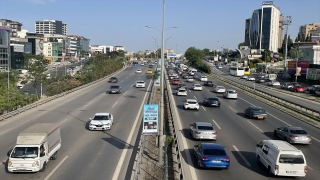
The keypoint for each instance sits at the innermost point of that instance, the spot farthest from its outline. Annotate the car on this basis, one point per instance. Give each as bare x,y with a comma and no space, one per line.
250,78
244,77
149,71
292,134
185,76
150,66
196,87
219,89
273,83
139,71
230,94
20,86
260,80
312,88
211,155
172,76
211,101
190,79
115,89
101,121
203,78
203,130
175,81
142,64
255,112
141,84
181,85
208,83
298,88
190,104
113,79
293,84
219,67
182,92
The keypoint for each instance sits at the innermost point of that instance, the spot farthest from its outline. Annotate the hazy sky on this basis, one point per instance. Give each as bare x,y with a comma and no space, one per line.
201,23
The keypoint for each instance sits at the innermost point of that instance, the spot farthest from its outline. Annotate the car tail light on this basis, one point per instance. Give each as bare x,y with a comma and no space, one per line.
305,169
309,137
197,104
226,159
197,132
204,159
293,136
276,168
214,133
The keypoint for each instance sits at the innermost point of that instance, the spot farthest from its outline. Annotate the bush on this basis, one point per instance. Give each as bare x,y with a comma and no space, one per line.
169,140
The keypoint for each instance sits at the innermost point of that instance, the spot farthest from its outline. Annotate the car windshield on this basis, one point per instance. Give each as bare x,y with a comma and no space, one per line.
182,85
182,90
205,128
113,78
114,87
24,152
104,117
140,82
213,99
220,87
209,82
214,152
298,131
192,102
258,110
291,159
232,92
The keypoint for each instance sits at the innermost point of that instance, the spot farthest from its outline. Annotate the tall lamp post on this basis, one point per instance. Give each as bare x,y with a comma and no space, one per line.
297,59
286,22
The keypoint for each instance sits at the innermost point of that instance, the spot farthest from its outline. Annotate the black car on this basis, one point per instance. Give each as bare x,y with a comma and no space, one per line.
255,112
260,80
115,89
211,101
150,66
208,83
313,90
181,85
113,79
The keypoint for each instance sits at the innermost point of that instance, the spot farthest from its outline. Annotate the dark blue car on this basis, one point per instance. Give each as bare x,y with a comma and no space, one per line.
211,155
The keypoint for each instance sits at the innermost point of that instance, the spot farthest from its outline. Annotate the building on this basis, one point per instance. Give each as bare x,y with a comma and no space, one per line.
53,51
264,29
315,35
37,41
5,55
13,25
17,55
304,30
50,27
310,51
100,49
246,32
77,44
117,48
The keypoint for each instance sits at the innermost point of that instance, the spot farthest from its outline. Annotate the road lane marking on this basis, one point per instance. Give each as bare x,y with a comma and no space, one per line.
216,123
232,109
241,155
279,119
125,93
121,81
189,91
255,126
62,121
124,152
195,97
87,104
203,108
114,104
133,85
246,101
309,168
315,139
50,174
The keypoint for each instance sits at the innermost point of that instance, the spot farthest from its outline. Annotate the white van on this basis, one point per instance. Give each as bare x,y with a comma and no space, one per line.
281,158
192,71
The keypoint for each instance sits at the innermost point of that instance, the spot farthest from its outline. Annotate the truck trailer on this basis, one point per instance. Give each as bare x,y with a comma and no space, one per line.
35,146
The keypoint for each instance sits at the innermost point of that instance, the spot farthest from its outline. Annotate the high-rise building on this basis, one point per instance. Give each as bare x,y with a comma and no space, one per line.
50,27
246,32
264,28
304,30
4,48
13,25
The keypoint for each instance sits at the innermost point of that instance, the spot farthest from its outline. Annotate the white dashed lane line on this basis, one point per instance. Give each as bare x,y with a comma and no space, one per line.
87,104
203,108
195,97
216,123
50,174
114,104
255,126
125,93
241,155
232,109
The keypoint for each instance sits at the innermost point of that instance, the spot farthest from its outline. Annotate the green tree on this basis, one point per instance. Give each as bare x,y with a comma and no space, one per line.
192,55
206,52
121,53
154,76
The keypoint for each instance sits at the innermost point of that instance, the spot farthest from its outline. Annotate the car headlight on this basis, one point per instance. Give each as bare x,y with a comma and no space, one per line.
10,164
35,163
108,124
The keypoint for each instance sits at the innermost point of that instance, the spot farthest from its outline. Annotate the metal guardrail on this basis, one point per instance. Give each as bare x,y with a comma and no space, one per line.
38,103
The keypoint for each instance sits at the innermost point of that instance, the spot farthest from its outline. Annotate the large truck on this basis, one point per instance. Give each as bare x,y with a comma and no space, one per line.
35,146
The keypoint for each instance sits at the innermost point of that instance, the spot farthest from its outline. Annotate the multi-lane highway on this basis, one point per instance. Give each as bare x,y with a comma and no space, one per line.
85,154
239,135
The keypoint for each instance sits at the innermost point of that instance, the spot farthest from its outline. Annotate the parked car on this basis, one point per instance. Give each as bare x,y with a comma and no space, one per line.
208,83
230,94
286,85
140,84
211,155
113,80
182,92
203,130
196,87
182,85
255,112
211,101
312,89
293,84
293,134
260,80
190,104
298,88
219,89
115,89
273,83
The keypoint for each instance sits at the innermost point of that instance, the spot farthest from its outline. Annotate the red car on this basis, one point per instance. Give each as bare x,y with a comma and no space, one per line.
175,81
298,88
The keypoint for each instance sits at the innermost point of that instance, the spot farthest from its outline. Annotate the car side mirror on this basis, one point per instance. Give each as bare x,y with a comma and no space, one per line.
8,153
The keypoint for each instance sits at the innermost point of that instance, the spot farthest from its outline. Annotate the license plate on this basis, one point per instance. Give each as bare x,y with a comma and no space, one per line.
21,168
113,91
216,161
291,172
260,117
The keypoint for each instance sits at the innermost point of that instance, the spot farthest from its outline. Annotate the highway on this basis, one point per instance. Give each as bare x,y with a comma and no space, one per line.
239,135
85,154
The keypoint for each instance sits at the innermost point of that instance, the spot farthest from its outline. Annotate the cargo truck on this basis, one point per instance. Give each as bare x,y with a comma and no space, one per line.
35,146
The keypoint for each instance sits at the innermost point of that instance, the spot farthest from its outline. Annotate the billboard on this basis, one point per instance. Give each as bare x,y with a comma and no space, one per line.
292,67
169,55
150,119
313,74
39,46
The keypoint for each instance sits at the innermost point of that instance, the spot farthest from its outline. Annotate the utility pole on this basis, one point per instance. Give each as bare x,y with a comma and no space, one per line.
286,22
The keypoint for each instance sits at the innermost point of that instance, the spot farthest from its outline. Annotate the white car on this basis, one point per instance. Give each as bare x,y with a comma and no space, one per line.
251,78
203,78
230,94
174,76
191,104
219,67
138,71
182,92
142,64
190,79
141,84
197,87
101,121
273,83
219,89
244,77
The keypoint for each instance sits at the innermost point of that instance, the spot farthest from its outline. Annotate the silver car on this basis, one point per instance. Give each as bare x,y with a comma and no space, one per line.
203,130
182,92
293,134
230,94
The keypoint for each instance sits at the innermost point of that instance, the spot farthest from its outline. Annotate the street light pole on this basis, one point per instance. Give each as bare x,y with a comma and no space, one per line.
287,22
297,58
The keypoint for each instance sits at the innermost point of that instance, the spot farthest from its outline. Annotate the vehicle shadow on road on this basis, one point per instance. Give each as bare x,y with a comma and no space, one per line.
130,96
186,133
241,114
270,135
116,142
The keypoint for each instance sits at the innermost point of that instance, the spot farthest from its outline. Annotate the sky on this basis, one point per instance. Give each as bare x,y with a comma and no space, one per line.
211,24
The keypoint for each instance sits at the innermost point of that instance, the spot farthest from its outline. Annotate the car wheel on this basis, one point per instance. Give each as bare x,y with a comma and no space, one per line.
199,164
270,171
275,134
54,156
44,167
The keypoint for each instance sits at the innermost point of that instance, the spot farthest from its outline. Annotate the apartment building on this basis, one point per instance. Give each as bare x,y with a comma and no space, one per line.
51,27
304,30
13,25
5,48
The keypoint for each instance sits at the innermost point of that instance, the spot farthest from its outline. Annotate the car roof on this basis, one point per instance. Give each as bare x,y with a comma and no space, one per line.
102,114
140,81
115,85
203,124
231,90
294,127
212,97
212,146
182,88
255,107
192,100
113,77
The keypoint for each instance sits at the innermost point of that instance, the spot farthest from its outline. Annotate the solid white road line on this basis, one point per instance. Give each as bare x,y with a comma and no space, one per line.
315,139
124,152
279,119
309,168
203,108
255,126
114,104
241,155
125,93
195,97
87,104
232,109
62,121
216,123
50,174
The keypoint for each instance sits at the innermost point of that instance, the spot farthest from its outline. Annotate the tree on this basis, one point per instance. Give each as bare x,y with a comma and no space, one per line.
192,55
241,44
206,52
154,76
121,53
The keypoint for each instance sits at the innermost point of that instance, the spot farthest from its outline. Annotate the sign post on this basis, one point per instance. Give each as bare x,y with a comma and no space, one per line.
150,119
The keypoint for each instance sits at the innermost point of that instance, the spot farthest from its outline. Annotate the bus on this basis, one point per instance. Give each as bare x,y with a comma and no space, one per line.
236,71
135,63
246,71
